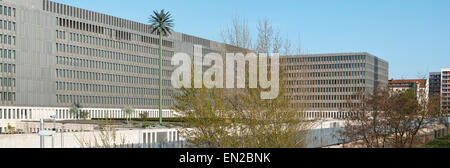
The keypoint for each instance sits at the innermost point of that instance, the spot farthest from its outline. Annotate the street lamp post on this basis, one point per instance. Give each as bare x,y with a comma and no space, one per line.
321,133
43,133
62,136
54,129
40,129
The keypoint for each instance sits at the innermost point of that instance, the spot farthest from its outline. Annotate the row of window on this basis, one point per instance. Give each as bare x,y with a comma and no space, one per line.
7,54
7,96
101,42
435,76
326,66
7,25
87,75
334,115
117,34
60,34
65,48
326,90
7,68
94,16
328,74
15,114
445,94
7,39
107,66
72,24
196,40
323,105
325,58
327,82
84,87
328,97
7,82
7,11
108,100
24,114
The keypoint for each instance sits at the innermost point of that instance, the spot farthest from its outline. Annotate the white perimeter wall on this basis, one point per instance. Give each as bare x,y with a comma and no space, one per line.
70,139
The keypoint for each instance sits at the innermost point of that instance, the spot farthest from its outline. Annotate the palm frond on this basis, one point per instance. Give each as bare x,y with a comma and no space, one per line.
161,22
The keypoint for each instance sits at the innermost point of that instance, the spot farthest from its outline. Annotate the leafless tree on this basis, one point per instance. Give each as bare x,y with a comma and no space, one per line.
238,34
389,119
299,49
264,42
287,47
277,42
105,137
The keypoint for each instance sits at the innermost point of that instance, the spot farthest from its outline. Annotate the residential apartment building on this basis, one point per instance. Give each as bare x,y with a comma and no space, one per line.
322,84
419,86
445,94
434,84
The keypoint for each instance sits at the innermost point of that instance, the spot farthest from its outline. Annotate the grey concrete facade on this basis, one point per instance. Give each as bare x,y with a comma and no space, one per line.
325,82
69,55
35,61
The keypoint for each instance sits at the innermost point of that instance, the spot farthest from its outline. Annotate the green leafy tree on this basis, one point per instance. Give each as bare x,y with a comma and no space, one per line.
144,116
9,128
128,111
84,115
239,118
162,24
74,110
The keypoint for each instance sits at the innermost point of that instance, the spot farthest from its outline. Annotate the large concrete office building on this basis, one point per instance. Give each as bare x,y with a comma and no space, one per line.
56,55
322,83
53,55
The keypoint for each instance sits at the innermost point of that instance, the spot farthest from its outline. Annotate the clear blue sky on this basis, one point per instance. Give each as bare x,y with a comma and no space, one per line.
412,35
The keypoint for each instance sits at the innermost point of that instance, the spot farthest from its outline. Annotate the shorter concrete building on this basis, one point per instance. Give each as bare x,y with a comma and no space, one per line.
11,116
321,84
129,138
